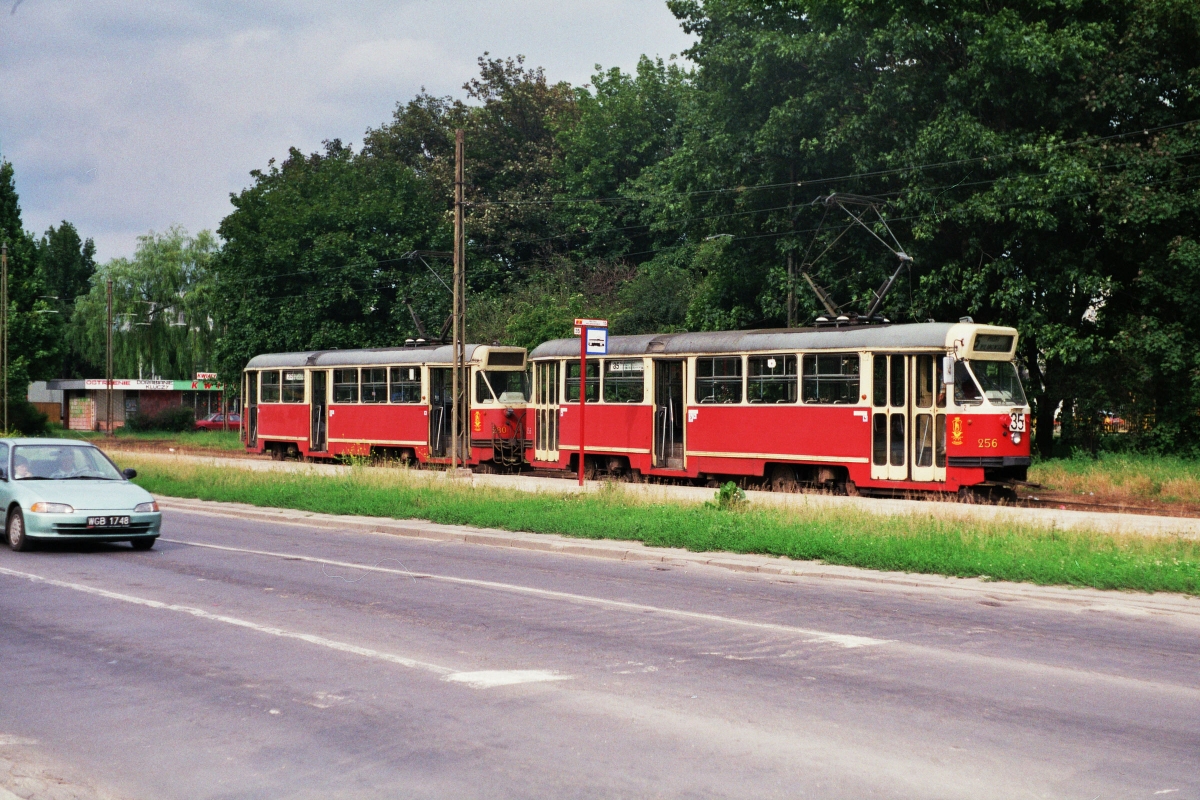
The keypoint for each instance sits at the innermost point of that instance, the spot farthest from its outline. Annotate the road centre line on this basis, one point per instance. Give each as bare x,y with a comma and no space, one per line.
478,680
825,637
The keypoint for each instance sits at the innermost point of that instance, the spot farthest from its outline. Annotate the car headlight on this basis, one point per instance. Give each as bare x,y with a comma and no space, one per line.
145,508
51,508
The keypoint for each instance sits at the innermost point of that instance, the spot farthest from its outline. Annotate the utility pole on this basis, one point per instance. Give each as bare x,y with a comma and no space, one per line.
4,325
791,261
108,361
458,382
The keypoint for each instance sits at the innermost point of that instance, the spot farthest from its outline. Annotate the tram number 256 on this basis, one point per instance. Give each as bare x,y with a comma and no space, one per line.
988,443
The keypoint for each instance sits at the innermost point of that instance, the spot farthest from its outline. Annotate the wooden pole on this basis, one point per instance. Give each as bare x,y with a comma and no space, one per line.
108,363
458,343
4,324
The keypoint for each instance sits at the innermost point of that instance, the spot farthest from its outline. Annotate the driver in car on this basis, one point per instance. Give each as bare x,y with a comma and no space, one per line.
66,466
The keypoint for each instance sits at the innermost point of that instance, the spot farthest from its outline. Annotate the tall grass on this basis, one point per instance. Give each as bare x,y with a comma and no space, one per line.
211,440
911,543
1123,477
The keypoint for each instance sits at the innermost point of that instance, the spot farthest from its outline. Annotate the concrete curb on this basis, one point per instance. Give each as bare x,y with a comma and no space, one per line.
1077,599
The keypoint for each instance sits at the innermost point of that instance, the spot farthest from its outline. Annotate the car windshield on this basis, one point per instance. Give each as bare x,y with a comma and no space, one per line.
48,462
1000,382
509,386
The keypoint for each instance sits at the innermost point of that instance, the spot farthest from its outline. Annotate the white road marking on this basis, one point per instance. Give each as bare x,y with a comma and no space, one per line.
472,679
825,637
15,741
486,679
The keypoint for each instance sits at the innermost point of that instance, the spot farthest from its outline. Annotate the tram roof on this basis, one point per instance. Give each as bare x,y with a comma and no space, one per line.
937,335
378,356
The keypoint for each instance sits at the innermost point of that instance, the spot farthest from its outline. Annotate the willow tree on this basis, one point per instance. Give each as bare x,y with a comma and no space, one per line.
162,308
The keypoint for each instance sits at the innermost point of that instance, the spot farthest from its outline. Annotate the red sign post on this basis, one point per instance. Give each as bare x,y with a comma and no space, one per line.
599,348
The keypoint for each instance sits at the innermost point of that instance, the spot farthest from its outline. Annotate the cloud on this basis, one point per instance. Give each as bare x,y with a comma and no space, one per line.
124,117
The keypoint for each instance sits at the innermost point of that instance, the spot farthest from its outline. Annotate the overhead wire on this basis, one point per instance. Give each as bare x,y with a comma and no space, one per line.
752,237
376,263
691,219
1026,150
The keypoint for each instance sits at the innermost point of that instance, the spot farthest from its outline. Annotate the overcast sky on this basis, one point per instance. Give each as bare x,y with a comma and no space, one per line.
126,117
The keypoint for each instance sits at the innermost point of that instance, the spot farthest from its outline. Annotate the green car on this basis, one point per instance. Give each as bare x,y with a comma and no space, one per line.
65,490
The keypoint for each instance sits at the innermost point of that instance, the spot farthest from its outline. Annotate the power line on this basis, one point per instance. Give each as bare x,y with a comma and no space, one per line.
1028,150
309,294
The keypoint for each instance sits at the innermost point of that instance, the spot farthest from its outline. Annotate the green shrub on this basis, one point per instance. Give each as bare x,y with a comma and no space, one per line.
25,419
173,418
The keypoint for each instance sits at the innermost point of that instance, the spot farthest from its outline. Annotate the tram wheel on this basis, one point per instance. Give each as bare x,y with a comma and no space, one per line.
783,478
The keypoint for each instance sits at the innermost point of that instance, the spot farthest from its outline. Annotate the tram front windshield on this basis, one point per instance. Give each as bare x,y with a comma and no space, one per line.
509,386
1000,383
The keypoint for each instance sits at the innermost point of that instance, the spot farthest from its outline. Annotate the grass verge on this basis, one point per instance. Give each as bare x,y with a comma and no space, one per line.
913,543
1129,478
211,440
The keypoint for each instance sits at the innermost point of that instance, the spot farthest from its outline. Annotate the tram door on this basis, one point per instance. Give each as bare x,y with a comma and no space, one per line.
668,414
251,411
319,404
928,424
441,405
908,427
545,401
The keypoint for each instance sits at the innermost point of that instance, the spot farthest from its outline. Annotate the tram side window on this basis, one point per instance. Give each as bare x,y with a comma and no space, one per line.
293,387
772,379
374,385
593,381
927,380
345,386
719,380
270,387
879,382
831,378
406,385
624,381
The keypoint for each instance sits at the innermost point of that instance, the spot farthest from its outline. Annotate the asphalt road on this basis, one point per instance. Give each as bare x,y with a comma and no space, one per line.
246,659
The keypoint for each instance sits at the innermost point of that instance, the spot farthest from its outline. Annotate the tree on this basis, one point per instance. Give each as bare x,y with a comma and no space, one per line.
32,345
511,155
163,308
315,257
65,267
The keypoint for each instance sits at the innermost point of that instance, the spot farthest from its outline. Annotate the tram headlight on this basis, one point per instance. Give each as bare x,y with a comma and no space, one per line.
1016,439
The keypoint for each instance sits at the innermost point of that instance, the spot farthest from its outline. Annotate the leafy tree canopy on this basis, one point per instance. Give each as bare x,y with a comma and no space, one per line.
162,305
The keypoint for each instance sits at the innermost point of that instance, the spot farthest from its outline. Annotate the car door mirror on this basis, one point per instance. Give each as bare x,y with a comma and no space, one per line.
129,473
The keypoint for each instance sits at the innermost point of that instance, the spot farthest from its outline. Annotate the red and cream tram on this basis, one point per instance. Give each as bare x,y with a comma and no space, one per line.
930,406
395,401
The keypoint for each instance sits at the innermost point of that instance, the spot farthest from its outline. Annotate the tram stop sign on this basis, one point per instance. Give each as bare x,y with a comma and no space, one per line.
597,335
597,341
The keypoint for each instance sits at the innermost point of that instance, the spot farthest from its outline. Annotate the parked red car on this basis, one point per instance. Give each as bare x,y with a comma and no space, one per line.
216,422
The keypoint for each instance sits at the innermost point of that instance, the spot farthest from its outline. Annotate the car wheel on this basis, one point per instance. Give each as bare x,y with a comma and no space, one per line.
15,529
143,544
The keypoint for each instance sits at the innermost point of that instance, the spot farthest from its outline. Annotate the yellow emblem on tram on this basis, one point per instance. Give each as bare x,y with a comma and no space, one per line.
478,421
956,431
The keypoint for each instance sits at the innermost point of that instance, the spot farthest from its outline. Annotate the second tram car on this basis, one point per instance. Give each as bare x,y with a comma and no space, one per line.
327,403
926,407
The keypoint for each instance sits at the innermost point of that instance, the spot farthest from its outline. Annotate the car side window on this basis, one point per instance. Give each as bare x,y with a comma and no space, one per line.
4,459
